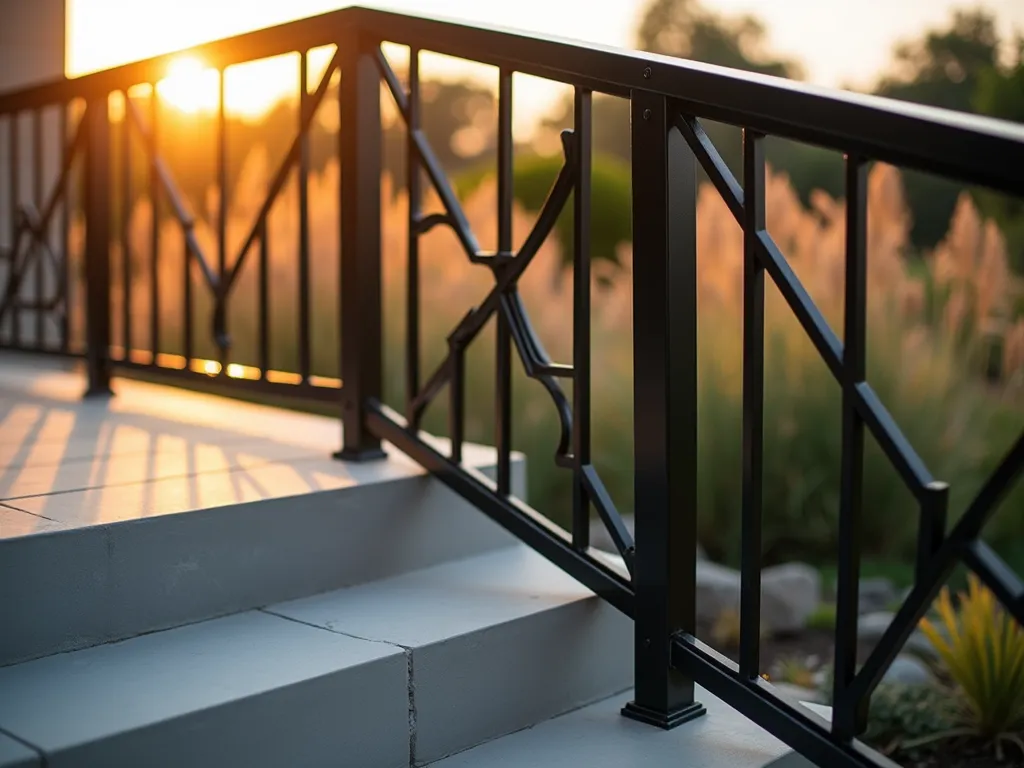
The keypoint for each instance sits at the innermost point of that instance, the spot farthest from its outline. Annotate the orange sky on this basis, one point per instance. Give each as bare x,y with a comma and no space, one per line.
840,42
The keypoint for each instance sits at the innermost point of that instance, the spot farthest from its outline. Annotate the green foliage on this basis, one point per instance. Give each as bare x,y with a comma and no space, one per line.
982,649
823,617
1000,89
900,573
901,713
803,442
610,201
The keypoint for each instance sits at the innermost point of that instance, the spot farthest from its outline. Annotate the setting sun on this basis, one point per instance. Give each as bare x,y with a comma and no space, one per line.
249,89
190,86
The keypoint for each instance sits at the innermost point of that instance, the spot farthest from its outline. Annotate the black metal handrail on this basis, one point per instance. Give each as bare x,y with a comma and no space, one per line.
654,580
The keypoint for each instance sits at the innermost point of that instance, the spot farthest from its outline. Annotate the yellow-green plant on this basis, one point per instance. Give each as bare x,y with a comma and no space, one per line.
795,671
982,649
725,631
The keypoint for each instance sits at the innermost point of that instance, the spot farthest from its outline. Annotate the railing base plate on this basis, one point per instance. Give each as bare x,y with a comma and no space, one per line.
94,393
360,456
664,720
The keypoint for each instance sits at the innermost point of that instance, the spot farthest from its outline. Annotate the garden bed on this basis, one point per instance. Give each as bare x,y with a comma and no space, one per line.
806,651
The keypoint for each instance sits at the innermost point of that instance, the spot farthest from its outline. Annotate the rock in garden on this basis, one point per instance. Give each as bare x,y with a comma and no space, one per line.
909,670
789,594
876,594
871,627
718,590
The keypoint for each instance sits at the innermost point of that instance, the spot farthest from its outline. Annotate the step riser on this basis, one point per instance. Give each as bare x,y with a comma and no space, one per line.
314,723
466,691
390,674
482,686
66,590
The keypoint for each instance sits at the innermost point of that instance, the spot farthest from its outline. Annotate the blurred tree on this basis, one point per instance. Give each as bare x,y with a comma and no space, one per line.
959,67
945,66
687,29
1000,93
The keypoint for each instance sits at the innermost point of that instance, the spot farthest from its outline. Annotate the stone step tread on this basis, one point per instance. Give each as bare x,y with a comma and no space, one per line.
47,472
432,604
156,450
14,754
68,704
486,645
497,642
213,545
239,480
598,736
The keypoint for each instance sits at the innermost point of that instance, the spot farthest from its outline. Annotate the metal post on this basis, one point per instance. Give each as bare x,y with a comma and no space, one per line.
361,337
97,247
665,409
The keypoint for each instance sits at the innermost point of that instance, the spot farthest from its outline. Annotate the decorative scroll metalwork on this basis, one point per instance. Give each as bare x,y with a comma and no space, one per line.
504,300
667,98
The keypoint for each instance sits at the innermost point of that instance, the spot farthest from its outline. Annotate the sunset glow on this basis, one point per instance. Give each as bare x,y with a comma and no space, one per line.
838,42
250,89
190,87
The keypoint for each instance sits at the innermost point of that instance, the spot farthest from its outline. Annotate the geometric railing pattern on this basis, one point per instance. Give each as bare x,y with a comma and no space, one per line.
653,579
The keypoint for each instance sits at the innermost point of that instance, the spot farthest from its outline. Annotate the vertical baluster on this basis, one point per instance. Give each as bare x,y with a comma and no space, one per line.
503,348
852,470
16,258
932,525
457,401
186,312
65,230
581,320
304,341
264,301
126,215
361,332
221,296
154,247
665,408
753,404
412,289
37,201
97,246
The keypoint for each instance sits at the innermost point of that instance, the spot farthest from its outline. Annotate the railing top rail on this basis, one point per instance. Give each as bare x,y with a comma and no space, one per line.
302,34
965,147
974,149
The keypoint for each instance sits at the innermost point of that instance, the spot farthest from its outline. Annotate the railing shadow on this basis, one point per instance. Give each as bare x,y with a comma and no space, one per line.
52,445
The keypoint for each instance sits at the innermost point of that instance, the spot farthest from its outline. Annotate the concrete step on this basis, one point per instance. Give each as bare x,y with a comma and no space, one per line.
161,507
14,754
398,672
598,736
